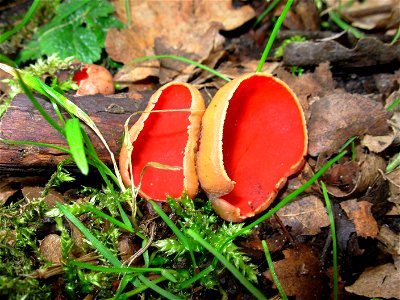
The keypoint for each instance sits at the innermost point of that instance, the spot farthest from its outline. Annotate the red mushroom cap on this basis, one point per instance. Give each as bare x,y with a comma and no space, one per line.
253,137
169,138
94,79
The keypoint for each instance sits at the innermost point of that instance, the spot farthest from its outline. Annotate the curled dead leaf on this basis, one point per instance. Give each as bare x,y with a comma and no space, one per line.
360,213
305,216
349,178
299,273
338,116
185,28
381,281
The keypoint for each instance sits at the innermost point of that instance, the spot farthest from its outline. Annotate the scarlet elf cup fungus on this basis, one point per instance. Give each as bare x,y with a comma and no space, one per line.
253,137
166,133
94,79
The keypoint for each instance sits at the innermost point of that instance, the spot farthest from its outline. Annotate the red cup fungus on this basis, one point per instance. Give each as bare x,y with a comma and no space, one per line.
167,137
253,137
94,79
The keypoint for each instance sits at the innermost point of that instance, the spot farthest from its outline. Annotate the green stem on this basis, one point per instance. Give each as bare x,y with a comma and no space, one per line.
335,18
273,35
265,13
272,270
184,59
5,36
334,244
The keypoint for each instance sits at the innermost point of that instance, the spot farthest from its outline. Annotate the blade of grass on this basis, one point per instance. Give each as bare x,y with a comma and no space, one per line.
115,270
339,22
128,13
347,143
272,271
6,35
334,244
393,164
273,35
10,142
184,59
157,289
75,142
251,288
196,277
95,242
109,218
139,289
6,60
265,13
37,105
396,36
175,230
393,105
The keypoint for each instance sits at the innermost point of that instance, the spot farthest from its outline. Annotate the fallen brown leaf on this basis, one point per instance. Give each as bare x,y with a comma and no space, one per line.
309,85
360,214
185,28
381,281
390,239
394,186
352,177
299,273
305,216
339,116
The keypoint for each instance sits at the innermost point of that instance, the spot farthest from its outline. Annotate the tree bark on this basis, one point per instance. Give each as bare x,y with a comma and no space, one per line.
22,122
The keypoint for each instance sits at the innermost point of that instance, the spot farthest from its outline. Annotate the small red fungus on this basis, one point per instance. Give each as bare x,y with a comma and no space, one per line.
94,79
253,137
168,137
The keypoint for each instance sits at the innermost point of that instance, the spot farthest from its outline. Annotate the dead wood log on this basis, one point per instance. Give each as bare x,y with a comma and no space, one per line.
22,122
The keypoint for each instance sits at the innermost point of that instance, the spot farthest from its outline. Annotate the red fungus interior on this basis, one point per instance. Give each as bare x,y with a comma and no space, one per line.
80,75
163,140
263,137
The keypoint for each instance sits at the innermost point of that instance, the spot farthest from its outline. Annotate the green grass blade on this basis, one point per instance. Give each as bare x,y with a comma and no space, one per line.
95,242
6,60
252,289
175,230
109,218
128,13
157,289
37,105
339,22
6,35
75,141
347,143
184,59
393,164
273,35
393,105
396,36
122,285
115,269
334,243
265,13
272,271
196,277
139,289
10,142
